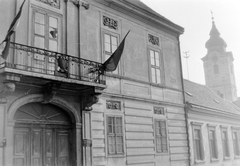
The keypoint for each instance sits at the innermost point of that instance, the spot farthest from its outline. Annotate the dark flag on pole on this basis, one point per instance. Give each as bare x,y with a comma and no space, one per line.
6,42
112,62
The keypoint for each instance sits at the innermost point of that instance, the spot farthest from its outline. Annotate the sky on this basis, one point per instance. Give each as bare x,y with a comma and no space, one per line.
196,19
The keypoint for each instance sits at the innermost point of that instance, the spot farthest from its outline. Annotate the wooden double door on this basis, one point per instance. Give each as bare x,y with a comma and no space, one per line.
42,136
41,146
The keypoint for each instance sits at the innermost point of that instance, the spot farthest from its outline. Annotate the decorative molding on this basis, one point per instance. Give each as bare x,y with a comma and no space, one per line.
6,89
109,22
89,101
153,39
116,105
87,142
85,5
159,110
49,91
53,3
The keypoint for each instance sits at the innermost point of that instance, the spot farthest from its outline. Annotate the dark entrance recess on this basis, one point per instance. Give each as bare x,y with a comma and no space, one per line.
43,136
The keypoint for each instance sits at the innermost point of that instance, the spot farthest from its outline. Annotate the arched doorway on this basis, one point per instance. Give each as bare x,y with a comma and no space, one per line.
42,136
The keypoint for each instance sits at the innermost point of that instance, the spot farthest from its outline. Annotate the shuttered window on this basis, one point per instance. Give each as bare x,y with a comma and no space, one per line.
213,143
161,136
225,145
236,140
115,135
198,142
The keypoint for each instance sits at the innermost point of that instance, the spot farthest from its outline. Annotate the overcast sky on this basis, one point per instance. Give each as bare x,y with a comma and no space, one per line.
195,17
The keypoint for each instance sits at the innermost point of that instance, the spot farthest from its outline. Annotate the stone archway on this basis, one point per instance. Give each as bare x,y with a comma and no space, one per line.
45,130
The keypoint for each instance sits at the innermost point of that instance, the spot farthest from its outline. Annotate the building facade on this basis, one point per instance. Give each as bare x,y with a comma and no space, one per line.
213,127
58,108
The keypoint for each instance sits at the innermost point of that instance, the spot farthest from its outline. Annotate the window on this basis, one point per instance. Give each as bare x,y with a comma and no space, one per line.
235,138
45,31
115,135
155,60
110,45
212,142
215,68
225,145
45,36
161,136
198,142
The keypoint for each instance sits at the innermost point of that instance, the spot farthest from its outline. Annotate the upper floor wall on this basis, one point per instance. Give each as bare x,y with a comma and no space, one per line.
151,55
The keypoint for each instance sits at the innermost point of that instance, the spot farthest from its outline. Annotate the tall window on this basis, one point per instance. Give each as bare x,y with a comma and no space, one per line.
45,31
225,143
212,143
45,36
155,60
197,142
236,142
110,45
161,136
115,135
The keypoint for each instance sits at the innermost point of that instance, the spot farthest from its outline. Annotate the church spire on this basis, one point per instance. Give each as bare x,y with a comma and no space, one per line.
215,42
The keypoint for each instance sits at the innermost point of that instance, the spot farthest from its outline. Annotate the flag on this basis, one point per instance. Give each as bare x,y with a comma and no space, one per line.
112,62
6,42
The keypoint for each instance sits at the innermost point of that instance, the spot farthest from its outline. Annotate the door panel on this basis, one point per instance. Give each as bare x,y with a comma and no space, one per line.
45,147
63,148
36,147
21,147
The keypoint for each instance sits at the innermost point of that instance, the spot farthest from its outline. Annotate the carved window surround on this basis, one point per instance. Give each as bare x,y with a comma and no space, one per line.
159,110
53,3
110,23
116,105
154,40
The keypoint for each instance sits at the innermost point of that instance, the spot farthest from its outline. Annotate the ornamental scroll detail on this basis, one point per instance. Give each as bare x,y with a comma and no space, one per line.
153,39
109,22
159,110
113,105
53,3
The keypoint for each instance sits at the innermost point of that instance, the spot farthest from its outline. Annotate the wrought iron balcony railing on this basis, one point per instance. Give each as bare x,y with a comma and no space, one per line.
47,62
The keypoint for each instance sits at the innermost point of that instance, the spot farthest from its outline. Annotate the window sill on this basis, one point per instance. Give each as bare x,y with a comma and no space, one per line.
161,154
116,155
237,157
199,161
214,160
226,158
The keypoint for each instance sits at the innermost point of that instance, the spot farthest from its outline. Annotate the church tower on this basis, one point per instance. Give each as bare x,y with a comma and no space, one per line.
218,66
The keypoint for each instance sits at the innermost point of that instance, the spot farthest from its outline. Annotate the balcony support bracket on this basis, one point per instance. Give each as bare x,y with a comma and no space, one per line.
49,91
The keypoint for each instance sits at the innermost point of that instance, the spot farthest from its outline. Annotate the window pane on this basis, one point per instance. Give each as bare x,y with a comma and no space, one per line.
158,75
157,59
114,40
39,18
39,42
53,22
107,38
153,75
152,57
39,29
53,45
113,48
107,47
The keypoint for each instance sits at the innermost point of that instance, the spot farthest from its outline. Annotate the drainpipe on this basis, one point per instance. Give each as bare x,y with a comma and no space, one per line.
185,105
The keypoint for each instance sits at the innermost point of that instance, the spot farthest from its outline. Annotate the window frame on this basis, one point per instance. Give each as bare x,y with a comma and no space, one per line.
122,135
225,143
198,158
160,67
237,131
47,14
104,53
213,145
155,135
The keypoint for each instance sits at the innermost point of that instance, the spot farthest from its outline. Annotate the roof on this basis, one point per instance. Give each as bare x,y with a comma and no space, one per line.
201,95
150,13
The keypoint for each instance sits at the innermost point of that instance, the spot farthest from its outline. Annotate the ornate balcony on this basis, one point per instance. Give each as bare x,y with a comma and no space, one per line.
30,64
